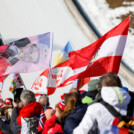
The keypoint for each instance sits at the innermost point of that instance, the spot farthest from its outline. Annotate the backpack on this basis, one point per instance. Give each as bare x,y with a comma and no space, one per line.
125,123
32,124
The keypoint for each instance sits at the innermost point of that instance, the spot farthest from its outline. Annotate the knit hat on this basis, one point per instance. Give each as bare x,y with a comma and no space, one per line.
62,105
92,85
8,101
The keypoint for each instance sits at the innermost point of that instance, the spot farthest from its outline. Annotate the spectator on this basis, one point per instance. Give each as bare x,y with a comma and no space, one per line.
52,125
27,120
44,101
111,93
73,112
88,97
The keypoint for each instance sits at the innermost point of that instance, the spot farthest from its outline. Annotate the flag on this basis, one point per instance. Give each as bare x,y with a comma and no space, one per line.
2,78
26,55
108,57
16,83
58,74
40,84
63,55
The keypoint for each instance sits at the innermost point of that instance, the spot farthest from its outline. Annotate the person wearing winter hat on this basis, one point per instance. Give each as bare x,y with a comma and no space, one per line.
111,93
52,125
73,112
88,97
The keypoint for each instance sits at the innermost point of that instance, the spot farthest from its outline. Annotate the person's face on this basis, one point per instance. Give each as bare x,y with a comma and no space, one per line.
29,53
42,101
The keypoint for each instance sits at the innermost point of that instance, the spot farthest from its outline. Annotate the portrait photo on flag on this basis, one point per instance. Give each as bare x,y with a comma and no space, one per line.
26,55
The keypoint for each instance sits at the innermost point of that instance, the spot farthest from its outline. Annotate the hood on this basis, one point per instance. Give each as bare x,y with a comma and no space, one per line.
30,110
115,96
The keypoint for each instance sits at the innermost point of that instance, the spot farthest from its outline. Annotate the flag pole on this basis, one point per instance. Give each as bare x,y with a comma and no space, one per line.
49,72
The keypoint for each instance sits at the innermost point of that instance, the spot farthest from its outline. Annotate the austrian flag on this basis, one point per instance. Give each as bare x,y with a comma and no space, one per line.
108,57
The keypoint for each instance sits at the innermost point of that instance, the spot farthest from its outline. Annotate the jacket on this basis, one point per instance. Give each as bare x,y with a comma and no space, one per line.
18,122
51,126
74,118
97,112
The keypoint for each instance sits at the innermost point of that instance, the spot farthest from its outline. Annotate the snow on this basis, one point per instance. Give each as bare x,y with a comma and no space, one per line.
105,18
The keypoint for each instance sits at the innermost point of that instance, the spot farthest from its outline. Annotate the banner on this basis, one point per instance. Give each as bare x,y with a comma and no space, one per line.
108,57
26,55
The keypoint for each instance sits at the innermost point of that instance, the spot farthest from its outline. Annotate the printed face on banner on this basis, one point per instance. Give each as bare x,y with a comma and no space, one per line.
26,55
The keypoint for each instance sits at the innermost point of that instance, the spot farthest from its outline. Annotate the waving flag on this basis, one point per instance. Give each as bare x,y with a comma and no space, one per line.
108,57
58,74
26,55
16,83
63,55
40,84
2,78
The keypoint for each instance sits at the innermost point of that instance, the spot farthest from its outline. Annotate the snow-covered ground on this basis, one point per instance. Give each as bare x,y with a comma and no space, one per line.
106,14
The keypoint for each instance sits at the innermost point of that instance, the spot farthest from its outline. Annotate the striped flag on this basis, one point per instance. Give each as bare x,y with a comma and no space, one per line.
107,59
16,82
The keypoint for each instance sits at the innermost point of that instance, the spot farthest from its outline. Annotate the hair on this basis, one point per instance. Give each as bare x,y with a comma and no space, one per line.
47,99
75,90
72,100
110,79
27,97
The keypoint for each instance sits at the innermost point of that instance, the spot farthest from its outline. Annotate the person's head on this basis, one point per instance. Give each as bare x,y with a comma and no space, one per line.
27,97
72,100
44,100
74,90
92,86
8,101
29,53
33,53
111,79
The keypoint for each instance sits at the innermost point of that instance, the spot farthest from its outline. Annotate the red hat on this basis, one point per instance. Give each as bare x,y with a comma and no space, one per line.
8,101
62,105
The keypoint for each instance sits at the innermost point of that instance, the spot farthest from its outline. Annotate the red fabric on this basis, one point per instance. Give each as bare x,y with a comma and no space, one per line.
3,65
99,67
116,121
51,127
30,110
1,132
102,65
3,48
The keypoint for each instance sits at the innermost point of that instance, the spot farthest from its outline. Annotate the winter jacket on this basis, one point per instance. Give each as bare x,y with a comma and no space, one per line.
18,122
51,127
74,118
97,112
5,126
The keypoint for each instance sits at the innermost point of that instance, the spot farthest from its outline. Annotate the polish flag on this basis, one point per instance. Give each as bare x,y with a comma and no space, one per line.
108,57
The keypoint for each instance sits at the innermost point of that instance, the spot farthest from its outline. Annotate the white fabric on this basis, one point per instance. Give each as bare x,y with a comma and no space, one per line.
97,112
113,46
24,128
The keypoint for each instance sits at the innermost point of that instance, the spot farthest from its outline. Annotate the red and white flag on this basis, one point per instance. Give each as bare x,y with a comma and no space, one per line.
58,74
2,78
108,57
